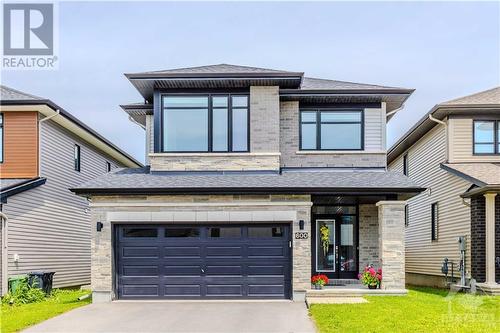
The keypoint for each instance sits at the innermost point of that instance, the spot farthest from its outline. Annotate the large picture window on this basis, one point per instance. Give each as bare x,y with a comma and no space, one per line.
205,123
486,137
331,130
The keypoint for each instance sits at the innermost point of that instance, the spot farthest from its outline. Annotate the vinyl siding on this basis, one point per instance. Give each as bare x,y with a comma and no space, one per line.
461,140
423,255
374,141
20,158
49,226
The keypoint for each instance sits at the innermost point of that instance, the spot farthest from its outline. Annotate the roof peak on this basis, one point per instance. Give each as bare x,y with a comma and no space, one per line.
217,68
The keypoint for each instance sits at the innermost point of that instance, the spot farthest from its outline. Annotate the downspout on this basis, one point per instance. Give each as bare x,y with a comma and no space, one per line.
5,266
445,132
40,140
388,114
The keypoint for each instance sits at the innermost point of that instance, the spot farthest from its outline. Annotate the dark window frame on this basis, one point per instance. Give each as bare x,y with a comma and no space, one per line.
407,215
2,137
318,123
77,158
405,164
108,166
210,109
496,137
434,221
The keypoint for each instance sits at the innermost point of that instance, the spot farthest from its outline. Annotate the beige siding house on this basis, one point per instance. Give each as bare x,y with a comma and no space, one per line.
44,226
454,152
256,180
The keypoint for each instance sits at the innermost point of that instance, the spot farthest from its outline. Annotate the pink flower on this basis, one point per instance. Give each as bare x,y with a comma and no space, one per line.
372,271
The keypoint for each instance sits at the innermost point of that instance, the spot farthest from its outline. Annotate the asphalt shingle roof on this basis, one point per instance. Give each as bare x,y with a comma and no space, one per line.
218,69
309,83
9,94
491,96
8,183
143,179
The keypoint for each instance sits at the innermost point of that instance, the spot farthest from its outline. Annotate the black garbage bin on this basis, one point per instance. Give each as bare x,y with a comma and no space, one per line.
42,280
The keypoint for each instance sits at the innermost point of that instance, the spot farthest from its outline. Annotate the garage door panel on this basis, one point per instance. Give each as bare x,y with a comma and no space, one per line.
224,290
217,262
261,290
181,290
224,251
140,270
132,290
224,270
182,270
266,251
140,252
182,252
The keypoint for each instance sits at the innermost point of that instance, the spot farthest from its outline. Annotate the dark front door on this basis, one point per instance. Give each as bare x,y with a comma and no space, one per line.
335,246
203,261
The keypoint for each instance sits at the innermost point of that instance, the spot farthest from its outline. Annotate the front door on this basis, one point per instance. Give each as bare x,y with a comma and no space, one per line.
334,244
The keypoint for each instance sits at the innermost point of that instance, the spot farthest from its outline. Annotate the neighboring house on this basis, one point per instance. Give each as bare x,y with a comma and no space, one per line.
246,168
45,151
453,151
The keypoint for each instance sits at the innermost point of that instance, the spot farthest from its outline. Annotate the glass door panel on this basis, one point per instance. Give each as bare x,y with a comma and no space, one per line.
347,244
325,246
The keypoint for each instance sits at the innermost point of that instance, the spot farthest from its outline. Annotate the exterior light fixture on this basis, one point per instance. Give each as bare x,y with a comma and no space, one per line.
301,224
99,226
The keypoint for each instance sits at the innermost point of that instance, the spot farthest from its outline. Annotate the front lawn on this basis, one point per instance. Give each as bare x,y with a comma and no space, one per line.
423,310
17,317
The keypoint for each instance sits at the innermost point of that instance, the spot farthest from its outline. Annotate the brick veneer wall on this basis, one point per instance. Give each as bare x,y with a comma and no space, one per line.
478,238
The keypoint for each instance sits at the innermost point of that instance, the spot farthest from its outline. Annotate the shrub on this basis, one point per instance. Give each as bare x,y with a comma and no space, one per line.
24,294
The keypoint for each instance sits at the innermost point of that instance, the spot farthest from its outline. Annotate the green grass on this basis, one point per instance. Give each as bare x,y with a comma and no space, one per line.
17,317
423,310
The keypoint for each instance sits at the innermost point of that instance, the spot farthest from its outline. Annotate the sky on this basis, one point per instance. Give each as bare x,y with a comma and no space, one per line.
443,50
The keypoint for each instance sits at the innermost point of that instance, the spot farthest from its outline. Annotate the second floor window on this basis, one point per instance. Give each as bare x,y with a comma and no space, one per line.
205,123
77,157
108,167
487,137
331,130
434,221
405,164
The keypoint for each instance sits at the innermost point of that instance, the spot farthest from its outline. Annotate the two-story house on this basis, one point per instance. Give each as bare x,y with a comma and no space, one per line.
256,180
44,151
454,151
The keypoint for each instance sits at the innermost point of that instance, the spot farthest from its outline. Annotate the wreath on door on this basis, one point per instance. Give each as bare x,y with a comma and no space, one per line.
325,238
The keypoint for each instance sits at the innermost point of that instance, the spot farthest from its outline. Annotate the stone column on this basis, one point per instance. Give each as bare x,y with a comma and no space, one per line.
391,218
490,237
101,257
301,280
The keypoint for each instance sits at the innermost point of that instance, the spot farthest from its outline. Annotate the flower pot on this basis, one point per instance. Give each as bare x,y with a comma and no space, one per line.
372,286
318,287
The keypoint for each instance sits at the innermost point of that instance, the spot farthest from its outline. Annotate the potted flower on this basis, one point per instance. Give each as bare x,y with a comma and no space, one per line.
371,277
319,281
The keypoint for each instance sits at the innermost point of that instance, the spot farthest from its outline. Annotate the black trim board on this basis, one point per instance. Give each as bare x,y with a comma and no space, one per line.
21,187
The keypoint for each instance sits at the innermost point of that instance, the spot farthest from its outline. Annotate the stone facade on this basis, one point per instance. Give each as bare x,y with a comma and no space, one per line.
214,161
391,218
478,238
368,236
264,119
201,208
291,157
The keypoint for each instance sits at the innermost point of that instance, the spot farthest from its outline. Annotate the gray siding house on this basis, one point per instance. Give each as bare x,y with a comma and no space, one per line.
255,180
454,151
45,151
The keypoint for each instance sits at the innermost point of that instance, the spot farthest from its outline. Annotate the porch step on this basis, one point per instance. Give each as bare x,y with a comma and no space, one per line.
335,300
343,282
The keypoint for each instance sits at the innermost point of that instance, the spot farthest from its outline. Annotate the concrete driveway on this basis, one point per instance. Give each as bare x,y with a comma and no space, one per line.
123,316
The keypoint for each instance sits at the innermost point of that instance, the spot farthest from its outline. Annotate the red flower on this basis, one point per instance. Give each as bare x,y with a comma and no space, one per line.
319,279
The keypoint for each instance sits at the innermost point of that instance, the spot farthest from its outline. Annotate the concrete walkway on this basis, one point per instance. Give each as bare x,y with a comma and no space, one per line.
280,316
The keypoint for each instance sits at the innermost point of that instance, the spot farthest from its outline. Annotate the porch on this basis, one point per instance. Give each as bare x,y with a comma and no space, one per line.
348,293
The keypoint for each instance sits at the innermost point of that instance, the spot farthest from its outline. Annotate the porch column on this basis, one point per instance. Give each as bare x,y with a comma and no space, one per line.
391,215
490,237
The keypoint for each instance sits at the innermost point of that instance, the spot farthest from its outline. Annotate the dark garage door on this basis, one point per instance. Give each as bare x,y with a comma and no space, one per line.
212,261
